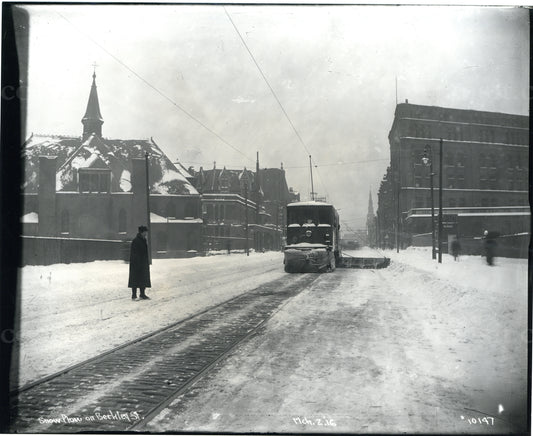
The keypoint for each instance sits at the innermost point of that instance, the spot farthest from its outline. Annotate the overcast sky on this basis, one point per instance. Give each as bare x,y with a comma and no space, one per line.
321,81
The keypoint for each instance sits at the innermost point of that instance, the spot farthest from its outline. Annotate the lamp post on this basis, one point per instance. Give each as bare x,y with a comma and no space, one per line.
246,249
148,236
440,200
427,159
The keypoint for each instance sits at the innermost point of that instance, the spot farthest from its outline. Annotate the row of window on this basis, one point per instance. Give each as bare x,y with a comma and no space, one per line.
94,181
219,212
511,161
219,231
468,133
65,224
421,201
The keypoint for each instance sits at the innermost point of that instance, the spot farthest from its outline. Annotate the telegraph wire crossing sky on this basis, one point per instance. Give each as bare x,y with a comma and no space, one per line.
220,83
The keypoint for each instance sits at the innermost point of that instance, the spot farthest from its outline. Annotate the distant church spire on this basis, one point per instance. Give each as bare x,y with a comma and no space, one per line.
370,213
92,120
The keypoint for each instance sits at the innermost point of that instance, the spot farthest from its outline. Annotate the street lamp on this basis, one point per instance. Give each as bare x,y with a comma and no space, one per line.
427,159
440,201
148,236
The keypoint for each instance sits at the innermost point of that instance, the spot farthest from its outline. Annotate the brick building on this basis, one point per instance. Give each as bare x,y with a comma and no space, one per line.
485,177
242,205
94,188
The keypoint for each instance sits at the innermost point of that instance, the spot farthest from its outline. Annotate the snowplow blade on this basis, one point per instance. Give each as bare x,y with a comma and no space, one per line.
364,262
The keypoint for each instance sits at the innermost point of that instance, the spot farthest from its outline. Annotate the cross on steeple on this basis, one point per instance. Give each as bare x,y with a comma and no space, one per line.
94,69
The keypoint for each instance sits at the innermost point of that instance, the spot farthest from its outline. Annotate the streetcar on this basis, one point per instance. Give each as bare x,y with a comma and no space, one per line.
312,237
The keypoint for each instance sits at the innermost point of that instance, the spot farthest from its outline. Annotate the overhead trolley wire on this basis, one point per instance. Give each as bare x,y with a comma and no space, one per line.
271,89
338,164
266,81
161,93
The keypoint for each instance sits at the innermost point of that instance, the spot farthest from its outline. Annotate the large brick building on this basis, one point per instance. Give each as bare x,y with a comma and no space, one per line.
485,177
91,188
242,208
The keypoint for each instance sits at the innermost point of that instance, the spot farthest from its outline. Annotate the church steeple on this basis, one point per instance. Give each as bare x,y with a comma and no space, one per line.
92,120
370,213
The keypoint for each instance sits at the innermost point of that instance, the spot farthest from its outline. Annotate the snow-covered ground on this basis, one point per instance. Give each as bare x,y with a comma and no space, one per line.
416,347
71,312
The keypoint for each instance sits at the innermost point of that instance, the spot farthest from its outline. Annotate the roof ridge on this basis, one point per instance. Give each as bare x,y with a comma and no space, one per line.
55,135
71,157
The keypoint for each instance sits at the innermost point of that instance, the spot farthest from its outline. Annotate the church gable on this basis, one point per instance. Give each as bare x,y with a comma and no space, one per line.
92,153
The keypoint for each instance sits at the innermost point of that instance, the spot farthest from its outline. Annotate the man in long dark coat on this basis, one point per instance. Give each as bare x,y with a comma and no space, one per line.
139,265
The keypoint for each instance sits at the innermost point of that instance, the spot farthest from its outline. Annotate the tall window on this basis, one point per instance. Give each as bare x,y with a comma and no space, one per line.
65,222
450,177
122,222
94,180
170,211
190,209
161,241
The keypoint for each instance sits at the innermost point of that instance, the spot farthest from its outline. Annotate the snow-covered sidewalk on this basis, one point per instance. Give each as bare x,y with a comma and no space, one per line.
72,312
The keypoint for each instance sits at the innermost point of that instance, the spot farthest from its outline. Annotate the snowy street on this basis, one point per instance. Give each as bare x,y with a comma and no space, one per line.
416,347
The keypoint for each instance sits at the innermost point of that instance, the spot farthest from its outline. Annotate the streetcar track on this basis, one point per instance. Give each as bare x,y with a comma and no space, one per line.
186,386
184,363
30,385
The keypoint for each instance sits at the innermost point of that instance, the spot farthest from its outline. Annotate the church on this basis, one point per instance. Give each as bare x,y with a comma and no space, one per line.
84,196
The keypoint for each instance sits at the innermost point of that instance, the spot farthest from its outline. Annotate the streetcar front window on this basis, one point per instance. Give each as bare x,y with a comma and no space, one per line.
306,216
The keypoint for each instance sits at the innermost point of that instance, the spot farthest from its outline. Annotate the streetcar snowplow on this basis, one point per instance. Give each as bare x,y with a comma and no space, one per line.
347,261
313,241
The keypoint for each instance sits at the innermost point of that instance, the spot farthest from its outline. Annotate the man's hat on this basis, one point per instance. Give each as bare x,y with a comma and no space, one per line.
143,229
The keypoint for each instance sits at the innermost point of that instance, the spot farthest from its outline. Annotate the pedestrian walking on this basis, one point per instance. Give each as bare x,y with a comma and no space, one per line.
139,265
455,248
489,240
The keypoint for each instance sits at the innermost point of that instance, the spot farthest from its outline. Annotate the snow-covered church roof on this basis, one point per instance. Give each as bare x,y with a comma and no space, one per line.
116,155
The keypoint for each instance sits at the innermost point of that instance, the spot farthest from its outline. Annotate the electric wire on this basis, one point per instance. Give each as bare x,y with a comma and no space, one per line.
266,81
157,90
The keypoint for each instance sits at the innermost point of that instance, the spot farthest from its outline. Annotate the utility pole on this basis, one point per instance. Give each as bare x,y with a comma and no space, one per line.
258,246
246,217
399,172
148,237
428,160
312,186
440,201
